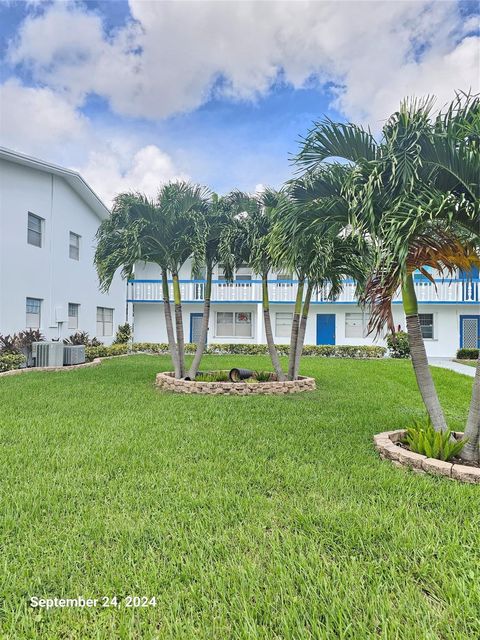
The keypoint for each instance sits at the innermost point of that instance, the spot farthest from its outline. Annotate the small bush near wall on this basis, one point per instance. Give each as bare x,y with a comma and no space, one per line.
11,361
124,334
398,345
467,354
327,351
104,351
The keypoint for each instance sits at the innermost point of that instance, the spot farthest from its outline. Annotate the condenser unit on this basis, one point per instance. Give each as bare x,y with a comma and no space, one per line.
47,354
73,354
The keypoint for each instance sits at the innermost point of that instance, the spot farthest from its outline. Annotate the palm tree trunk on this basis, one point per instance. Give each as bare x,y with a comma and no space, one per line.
204,328
169,324
301,331
272,350
419,357
179,324
471,450
295,327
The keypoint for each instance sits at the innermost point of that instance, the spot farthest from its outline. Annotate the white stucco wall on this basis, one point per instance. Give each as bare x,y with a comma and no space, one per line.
150,326
149,323
47,272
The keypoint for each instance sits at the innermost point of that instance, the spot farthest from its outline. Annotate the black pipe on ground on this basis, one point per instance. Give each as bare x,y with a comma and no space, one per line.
236,375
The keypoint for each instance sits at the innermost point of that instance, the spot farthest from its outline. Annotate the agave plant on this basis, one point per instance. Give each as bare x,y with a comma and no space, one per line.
422,438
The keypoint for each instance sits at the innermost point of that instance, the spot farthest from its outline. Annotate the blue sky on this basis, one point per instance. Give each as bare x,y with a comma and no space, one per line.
136,93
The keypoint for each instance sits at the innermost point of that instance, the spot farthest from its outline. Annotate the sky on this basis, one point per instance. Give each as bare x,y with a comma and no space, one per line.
133,94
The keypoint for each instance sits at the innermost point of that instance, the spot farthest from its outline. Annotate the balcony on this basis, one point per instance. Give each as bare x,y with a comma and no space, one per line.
455,291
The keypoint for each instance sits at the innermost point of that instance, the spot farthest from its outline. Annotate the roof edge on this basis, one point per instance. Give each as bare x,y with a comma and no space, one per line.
74,179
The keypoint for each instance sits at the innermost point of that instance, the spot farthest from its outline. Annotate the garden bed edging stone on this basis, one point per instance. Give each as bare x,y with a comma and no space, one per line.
166,380
386,445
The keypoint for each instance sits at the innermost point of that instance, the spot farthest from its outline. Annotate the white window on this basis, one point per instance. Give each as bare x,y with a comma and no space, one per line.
33,309
283,324
34,230
74,247
356,325
104,321
426,325
73,315
234,324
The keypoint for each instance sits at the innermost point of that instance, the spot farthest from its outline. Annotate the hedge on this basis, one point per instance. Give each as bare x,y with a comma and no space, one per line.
467,354
9,361
325,351
104,351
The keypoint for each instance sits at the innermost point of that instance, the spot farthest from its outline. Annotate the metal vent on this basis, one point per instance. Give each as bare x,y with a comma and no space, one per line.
47,354
74,354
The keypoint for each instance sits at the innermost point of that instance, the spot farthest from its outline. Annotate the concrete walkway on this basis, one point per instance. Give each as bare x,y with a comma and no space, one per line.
445,363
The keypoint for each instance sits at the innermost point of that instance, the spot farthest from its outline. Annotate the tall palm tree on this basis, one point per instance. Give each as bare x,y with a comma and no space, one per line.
408,193
310,241
179,230
247,240
217,218
130,235
165,232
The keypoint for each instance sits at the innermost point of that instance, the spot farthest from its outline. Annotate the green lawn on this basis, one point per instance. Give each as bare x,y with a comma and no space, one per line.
249,517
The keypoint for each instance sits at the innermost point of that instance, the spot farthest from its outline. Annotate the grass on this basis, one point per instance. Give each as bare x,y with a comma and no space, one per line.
247,517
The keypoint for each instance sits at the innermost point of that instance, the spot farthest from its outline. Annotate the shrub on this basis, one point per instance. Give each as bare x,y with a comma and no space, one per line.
9,344
104,351
28,337
150,347
467,354
262,376
422,438
327,351
212,376
9,361
343,351
398,345
124,333
82,337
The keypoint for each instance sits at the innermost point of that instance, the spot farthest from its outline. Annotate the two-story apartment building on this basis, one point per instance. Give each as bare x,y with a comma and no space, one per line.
449,310
48,220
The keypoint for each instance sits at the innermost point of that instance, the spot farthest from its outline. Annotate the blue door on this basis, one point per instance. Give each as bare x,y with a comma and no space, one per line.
470,332
195,326
325,328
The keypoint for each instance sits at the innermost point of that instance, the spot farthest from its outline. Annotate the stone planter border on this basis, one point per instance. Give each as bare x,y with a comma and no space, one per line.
14,372
166,381
386,445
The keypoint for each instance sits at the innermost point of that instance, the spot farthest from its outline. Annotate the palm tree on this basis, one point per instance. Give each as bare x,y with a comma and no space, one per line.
217,218
408,194
309,242
179,232
165,232
247,240
127,236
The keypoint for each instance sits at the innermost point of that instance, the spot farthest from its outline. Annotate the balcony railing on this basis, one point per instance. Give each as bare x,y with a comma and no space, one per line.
442,291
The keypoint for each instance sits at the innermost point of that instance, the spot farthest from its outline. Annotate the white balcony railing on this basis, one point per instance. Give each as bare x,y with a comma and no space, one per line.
285,291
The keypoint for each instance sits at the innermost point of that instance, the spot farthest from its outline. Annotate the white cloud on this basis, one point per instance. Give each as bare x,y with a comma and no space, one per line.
177,53
147,170
39,122
31,119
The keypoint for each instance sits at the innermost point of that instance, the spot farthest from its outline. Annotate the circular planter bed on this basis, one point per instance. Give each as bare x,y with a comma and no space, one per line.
387,444
166,380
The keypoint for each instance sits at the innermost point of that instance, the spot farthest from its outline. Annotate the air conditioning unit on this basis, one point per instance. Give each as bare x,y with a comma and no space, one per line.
73,354
47,354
